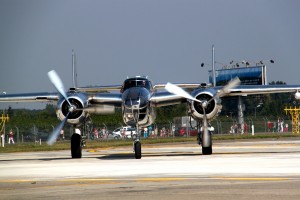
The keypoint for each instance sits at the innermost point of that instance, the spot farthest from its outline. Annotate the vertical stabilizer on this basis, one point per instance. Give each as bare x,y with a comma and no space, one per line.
74,71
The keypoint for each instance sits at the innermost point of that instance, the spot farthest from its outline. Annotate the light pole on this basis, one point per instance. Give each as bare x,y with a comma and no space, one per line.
171,127
266,123
18,137
213,66
219,124
3,126
257,106
214,82
106,130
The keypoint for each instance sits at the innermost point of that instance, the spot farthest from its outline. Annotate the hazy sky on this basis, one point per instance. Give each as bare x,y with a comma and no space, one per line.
164,39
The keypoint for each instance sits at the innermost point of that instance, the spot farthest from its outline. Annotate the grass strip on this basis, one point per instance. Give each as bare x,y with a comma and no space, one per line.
91,144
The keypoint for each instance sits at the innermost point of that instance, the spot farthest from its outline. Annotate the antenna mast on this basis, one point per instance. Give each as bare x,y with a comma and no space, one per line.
74,73
213,66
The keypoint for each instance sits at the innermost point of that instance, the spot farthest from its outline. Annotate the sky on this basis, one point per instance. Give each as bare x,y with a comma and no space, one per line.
166,40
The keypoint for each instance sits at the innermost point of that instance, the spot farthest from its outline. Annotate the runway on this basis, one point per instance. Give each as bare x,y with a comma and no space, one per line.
243,169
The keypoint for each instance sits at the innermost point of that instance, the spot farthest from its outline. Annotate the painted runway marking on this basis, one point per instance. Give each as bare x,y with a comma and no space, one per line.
150,179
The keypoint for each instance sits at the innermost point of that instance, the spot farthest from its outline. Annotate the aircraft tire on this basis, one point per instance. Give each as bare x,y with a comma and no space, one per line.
207,150
76,150
138,150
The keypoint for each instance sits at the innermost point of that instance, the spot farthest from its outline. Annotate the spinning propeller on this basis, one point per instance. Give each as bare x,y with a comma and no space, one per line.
204,103
56,81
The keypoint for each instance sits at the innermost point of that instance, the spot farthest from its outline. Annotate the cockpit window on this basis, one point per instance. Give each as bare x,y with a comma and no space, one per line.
129,83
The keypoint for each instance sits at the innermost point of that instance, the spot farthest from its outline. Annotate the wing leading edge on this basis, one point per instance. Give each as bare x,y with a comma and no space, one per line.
244,90
30,97
163,98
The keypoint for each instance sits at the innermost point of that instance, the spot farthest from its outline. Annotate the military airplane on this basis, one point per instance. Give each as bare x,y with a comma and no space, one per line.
138,99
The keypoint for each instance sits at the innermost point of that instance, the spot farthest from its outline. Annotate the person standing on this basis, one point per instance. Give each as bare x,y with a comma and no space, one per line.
96,134
62,134
145,132
11,137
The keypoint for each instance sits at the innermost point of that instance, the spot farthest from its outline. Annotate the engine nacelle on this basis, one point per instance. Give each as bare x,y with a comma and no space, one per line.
79,101
213,108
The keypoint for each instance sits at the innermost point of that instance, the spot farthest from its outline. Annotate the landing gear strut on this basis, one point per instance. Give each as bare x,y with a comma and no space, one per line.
137,146
137,149
205,140
76,149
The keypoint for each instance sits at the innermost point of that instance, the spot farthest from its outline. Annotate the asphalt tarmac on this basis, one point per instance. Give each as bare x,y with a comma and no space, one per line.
244,169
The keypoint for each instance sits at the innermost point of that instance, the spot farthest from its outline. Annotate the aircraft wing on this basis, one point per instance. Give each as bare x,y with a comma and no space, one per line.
181,85
94,89
99,98
244,90
30,97
99,88
165,99
159,98
114,99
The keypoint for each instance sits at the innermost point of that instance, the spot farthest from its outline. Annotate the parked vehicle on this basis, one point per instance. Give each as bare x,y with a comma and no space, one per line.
186,131
125,132
114,136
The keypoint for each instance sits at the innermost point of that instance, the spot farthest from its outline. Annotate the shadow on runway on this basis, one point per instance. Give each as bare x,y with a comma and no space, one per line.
128,156
33,159
118,156
125,156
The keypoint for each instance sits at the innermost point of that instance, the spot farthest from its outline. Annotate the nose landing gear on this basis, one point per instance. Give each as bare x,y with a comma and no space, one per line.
137,147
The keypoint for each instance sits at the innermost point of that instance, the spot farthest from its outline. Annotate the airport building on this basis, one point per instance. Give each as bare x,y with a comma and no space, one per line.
248,75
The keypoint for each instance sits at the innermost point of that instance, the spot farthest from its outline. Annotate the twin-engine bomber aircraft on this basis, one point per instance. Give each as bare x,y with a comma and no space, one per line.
138,99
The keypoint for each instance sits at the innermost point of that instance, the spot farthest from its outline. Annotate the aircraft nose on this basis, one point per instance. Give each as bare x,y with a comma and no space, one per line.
136,103
135,99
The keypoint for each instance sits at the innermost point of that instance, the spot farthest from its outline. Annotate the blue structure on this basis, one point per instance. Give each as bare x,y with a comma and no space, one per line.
248,75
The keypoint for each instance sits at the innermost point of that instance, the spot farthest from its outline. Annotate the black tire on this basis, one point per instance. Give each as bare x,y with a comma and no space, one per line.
138,150
76,150
207,150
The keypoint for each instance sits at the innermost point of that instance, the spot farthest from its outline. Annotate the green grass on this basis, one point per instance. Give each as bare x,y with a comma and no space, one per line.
65,145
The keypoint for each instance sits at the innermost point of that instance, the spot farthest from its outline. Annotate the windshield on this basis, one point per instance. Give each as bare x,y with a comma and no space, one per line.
129,83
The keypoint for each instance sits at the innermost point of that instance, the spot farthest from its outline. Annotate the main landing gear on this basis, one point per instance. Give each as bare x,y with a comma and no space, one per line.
205,140
76,144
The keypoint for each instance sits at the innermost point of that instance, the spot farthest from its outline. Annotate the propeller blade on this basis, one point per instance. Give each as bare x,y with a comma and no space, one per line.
58,84
231,84
225,90
52,138
179,91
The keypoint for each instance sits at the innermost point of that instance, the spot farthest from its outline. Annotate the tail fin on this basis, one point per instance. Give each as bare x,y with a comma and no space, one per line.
74,71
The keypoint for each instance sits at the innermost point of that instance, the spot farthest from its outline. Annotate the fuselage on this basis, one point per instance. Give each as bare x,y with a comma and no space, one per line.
136,109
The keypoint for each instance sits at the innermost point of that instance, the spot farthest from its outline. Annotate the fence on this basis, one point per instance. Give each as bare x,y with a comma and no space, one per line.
36,134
